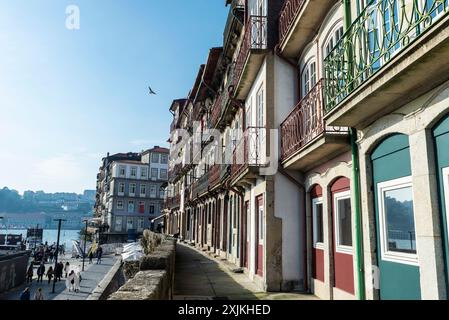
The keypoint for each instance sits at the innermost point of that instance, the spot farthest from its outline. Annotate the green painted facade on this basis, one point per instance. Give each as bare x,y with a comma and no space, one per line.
390,161
441,138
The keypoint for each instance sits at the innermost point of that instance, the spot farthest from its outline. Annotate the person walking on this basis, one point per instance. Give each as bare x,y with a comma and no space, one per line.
90,256
25,295
70,282
39,295
50,273
30,274
40,272
99,254
66,268
59,271
51,256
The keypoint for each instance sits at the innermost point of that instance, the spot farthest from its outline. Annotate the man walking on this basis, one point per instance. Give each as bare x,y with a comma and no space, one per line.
99,254
40,272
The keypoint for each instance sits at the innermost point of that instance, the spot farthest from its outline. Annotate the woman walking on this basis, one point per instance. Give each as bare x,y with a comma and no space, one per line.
50,274
30,274
66,269
39,295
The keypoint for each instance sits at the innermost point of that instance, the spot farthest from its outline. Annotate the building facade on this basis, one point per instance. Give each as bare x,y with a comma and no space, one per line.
327,169
131,191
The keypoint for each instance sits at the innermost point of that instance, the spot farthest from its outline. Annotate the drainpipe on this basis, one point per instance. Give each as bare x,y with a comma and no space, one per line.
301,186
356,179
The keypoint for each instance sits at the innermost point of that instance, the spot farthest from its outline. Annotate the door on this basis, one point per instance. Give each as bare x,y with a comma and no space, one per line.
317,234
259,234
441,138
246,239
399,276
342,236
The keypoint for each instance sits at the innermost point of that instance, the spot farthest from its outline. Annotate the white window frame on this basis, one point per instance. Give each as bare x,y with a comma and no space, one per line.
120,168
143,173
143,194
131,172
118,206
386,255
131,185
155,155
315,202
134,206
121,193
340,248
311,82
165,177
128,219
118,218
261,223
140,224
157,173
446,194
153,195
164,159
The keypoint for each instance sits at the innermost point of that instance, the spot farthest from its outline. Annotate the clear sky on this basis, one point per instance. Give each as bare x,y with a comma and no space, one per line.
67,97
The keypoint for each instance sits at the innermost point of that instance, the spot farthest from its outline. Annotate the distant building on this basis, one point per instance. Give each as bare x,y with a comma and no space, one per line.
131,191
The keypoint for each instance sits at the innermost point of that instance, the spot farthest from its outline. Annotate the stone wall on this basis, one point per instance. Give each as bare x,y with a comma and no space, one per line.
151,278
13,268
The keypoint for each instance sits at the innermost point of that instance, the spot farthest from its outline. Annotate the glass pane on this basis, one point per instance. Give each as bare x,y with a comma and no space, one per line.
400,221
319,223
344,222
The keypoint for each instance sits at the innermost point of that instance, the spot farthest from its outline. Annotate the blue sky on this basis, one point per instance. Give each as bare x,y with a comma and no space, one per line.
67,97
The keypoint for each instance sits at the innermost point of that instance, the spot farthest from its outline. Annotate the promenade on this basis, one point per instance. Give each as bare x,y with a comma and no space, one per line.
91,277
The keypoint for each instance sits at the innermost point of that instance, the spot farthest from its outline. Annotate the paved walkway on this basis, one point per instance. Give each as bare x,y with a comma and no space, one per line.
91,277
200,277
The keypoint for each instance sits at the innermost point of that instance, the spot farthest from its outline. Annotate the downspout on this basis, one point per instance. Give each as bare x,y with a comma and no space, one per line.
356,179
301,186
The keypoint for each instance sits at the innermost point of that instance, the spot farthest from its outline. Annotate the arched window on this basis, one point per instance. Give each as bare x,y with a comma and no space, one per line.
308,77
334,36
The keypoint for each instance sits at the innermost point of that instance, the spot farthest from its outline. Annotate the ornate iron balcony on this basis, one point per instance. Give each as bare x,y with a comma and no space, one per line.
289,12
380,32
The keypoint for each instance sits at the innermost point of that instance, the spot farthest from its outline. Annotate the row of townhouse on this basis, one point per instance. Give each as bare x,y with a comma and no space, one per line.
131,192
328,167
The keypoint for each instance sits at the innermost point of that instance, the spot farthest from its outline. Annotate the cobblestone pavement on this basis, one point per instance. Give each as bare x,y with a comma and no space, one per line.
200,277
91,277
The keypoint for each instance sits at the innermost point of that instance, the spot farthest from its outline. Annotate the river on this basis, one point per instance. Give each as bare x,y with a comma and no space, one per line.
51,236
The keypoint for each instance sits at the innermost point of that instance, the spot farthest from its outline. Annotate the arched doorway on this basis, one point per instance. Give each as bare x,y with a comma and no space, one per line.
441,139
395,220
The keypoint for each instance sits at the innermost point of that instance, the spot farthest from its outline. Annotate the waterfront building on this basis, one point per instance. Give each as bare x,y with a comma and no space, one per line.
131,191
357,208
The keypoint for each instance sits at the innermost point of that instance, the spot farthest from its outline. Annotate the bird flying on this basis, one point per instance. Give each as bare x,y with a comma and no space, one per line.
151,90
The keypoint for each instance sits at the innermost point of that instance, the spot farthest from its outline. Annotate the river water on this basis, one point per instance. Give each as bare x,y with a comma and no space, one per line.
51,236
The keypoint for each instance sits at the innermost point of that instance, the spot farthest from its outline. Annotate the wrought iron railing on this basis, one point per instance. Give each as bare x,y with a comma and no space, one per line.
216,110
380,32
305,122
174,173
250,151
255,38
288,15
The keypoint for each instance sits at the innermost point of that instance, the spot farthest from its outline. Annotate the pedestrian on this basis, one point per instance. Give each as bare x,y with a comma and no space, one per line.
39,295
66,268
59,271
91,256
25,295
50,274
99,254
71,281
40,272
30,274
51,256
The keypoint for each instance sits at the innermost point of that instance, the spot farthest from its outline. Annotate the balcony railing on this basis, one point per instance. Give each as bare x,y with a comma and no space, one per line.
250,151
216,110
174,173
289,12
380,32
255,38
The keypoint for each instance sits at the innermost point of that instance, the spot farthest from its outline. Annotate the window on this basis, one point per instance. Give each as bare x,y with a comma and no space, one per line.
260,108
122,171
333,39
261,224
121,189
132,189
154,173
129,223
164,174
140,224
120,205
143,173
397,221
142,207
343,221
317,211
155,158
153,191
118,224
446,190
164,158
309,78
133,172
131,206
143,190
152,209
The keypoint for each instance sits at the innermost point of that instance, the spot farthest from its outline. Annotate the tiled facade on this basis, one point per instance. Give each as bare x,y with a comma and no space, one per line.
328,169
